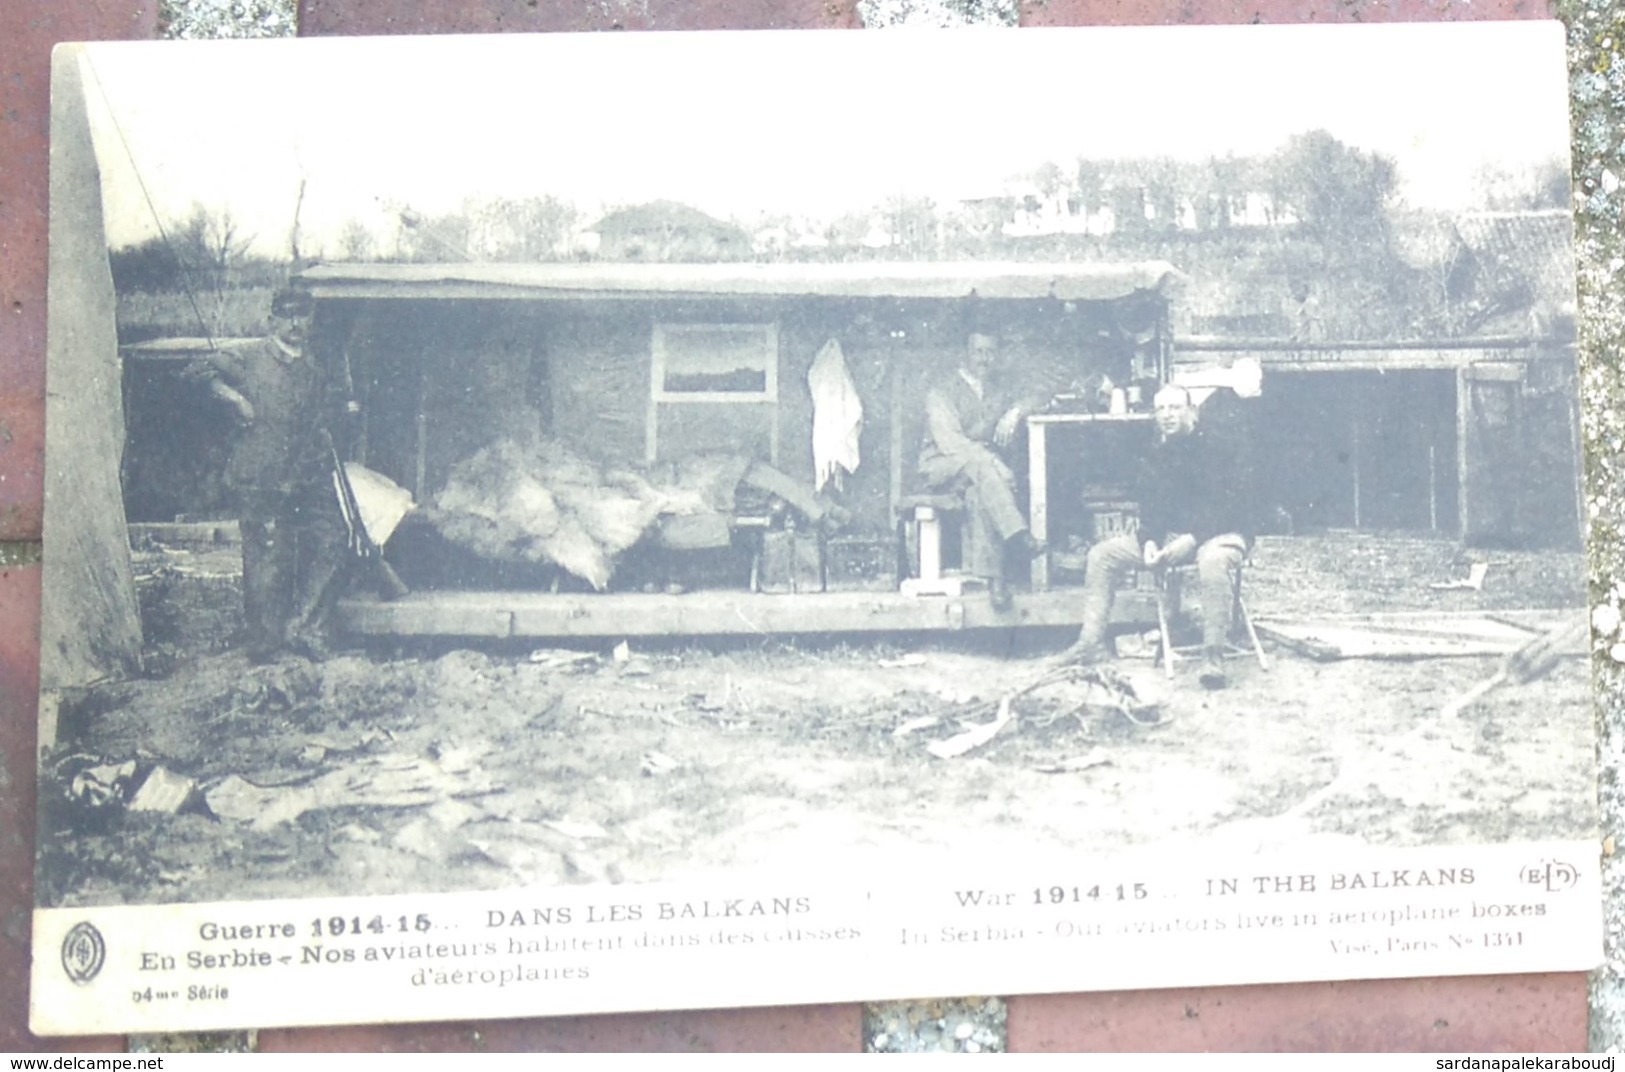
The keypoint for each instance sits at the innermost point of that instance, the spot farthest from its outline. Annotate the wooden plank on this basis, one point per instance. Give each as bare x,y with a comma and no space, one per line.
1357,359
712,614
1464,406
895,432
1467,624
418,616
1330,641
1038,498
186,533
735,613
1199,344
1356,411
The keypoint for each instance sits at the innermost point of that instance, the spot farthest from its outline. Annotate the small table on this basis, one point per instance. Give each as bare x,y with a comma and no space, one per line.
1038,426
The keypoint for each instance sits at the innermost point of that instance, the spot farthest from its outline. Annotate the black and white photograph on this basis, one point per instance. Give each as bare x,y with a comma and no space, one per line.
589,462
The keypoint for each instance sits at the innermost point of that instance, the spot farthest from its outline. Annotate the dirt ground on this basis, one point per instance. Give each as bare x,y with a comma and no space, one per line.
483,769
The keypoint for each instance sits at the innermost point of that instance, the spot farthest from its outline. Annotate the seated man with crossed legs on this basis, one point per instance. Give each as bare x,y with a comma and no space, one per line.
971,416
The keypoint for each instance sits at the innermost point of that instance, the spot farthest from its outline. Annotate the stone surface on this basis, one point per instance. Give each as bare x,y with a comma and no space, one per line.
953,1025
1596,35
881,14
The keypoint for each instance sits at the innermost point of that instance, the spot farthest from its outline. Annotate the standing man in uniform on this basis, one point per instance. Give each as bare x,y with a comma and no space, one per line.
1196,505
281,477
971,416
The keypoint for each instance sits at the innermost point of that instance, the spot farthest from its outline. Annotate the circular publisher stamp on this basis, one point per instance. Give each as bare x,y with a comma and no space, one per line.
83,953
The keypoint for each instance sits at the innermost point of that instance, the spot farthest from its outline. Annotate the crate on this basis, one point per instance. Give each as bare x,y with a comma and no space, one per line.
1111,517
790,562
861,564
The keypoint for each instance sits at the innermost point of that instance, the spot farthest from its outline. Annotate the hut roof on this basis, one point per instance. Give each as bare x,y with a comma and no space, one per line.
929,279
1534,247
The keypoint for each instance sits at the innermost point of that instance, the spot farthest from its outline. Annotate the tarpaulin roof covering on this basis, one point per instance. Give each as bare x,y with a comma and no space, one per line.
942,279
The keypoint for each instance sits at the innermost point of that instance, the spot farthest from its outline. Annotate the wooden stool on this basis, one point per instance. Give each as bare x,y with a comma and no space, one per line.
1170,584
924,515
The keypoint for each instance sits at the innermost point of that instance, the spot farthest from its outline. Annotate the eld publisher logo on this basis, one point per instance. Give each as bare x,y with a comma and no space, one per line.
1550,874
83,953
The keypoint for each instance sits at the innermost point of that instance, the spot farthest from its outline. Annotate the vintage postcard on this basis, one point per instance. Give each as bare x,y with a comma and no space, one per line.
581,523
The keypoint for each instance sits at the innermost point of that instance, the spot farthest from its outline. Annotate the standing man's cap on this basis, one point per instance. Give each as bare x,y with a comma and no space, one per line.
294,303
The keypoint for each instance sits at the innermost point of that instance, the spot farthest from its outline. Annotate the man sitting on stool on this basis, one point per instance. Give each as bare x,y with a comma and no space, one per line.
1195,494
970,418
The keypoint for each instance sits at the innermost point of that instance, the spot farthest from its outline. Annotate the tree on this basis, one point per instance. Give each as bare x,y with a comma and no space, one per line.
521,229
433,238
1332,187
1090,183
356,242
210,244
149,267
1165,188
914,225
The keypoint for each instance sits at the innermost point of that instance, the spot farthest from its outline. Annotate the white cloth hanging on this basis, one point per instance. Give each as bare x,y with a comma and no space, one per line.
837,416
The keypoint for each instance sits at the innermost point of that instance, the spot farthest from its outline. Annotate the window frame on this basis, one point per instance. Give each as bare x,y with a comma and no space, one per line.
767,331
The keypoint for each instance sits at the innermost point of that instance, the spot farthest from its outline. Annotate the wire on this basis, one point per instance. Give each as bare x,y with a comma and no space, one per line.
191,299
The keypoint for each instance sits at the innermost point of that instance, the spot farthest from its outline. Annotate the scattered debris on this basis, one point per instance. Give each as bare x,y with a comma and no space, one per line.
533,861
133,784
1397,636
622,652
238,799
452,814
1096,757
1473,582
657,763
364,835
423,837
101,785
1534,659
457,759
386,781
914,659
578,830
556,659
636,666
976,736
1103,689
164,791
924,722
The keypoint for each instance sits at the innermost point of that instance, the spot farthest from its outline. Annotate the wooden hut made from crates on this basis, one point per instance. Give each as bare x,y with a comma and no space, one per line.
642,373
